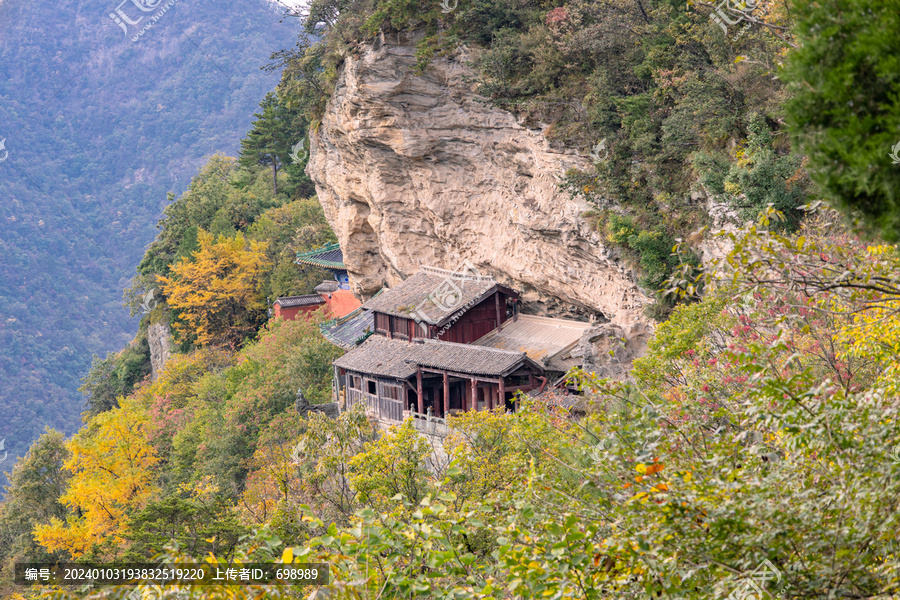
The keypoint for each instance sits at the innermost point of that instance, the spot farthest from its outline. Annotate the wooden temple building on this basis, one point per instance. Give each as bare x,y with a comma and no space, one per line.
441,342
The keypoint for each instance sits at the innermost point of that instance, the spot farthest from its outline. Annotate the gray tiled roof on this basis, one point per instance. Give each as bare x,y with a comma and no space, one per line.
465,358
307,300
327,286
380,356
432,295
397,358
550,342
347,331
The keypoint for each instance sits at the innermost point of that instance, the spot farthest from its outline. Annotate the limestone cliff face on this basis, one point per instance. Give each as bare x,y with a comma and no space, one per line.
160,338
418,170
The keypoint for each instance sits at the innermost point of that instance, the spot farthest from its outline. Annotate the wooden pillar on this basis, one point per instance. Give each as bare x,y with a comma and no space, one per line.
473,404
337,384
446,394
419,390
502,396
497,307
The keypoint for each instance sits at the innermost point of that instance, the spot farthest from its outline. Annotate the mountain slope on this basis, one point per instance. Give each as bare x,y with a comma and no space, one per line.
98,129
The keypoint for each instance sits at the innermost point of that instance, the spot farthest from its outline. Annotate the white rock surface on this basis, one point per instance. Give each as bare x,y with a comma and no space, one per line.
159,336
419,170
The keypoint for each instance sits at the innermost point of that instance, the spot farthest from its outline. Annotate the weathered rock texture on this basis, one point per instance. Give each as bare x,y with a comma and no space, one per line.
159,336
608,351
418,170
302,405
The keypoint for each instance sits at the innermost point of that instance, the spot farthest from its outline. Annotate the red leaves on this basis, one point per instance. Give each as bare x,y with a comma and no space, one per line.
556,16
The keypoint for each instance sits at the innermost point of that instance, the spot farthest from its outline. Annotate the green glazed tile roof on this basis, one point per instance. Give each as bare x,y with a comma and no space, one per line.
329,256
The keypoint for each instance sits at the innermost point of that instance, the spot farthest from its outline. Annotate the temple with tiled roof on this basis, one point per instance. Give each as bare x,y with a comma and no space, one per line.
390,376
445,305
331,257
335,295
444,341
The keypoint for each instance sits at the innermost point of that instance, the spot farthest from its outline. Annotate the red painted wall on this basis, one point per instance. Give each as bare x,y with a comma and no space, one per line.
341,303
289,314
338,304
478,321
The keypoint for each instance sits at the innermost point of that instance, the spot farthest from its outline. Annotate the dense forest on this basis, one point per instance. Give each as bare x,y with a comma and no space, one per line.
97,129
755,449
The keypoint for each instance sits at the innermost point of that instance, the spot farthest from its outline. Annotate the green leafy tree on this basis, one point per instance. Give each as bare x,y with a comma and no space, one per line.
36,484
116,375
232,407
289,229
761,177
392,465
199,525
844,106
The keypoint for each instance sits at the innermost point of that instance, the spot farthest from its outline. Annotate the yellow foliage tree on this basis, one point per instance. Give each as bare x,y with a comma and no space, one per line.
112,464
217,291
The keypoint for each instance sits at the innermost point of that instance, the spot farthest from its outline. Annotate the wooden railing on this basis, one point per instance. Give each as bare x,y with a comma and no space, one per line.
383,408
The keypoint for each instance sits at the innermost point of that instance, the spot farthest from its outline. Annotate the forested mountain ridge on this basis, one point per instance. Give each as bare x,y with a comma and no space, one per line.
98,129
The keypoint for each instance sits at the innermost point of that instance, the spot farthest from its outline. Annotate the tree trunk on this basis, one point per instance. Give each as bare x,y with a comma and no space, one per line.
274,175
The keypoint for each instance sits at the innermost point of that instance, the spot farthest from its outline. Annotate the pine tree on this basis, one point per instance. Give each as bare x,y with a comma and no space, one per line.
269,142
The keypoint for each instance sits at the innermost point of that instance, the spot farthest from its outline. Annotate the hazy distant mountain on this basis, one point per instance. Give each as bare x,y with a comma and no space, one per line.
105,106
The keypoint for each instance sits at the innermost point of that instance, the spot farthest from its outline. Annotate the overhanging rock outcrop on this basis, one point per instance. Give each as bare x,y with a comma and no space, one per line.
416,170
